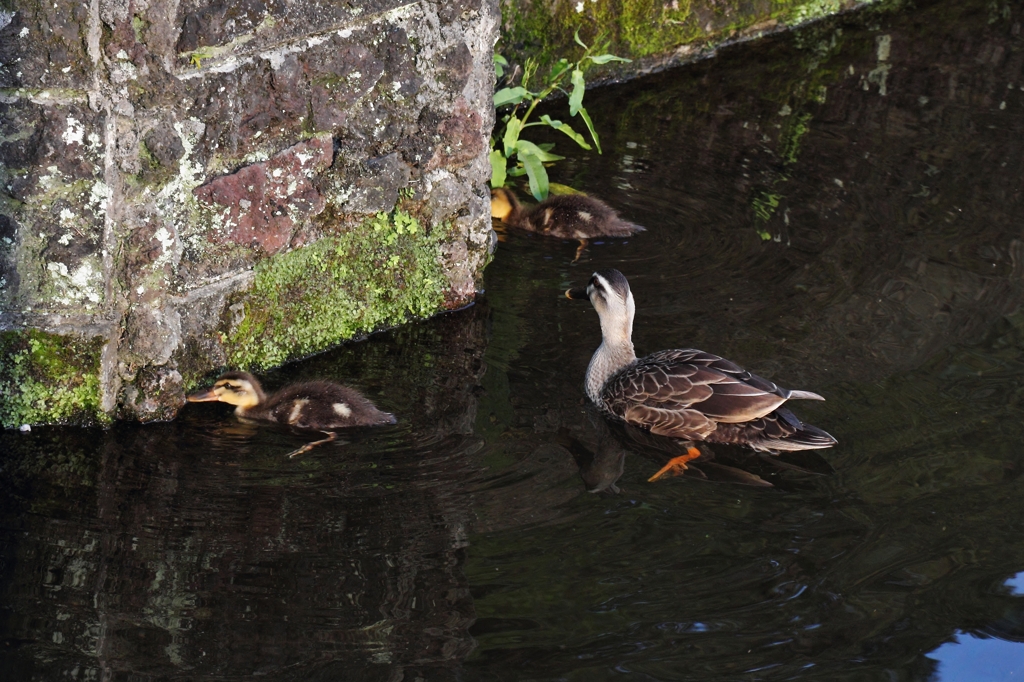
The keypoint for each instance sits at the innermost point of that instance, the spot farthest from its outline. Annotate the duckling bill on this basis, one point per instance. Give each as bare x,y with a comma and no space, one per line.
317,405
685,393
566,216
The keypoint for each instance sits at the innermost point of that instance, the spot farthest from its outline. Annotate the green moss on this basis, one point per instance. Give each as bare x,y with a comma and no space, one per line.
48,378
139,28
353,283
677,26
146,156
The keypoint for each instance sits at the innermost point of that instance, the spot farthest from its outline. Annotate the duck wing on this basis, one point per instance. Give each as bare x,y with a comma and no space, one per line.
780,431
685,392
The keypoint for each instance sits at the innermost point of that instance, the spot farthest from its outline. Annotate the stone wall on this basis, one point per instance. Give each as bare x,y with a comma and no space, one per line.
190,185
654,34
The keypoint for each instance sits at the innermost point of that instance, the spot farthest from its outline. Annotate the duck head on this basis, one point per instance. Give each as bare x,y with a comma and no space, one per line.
608,291
503,203
234,388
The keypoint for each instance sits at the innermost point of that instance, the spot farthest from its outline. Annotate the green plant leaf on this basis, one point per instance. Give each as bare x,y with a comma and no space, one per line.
579,42
509,96
511,136
500,64
590,127
499,164
538,176
527,148
605,58
559,68
567,129
576,97
517,172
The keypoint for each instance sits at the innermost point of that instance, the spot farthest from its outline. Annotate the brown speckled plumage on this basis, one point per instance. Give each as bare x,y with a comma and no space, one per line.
567,216
690,394
686,393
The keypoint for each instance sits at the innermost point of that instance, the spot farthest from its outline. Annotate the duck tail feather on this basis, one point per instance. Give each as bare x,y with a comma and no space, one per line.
798,441
803,395
803,437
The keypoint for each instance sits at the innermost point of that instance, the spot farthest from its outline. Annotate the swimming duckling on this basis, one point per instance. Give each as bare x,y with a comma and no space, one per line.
566,216
686,394
320,405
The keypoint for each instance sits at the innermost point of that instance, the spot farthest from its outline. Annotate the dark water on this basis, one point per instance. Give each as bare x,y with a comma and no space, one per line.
883,154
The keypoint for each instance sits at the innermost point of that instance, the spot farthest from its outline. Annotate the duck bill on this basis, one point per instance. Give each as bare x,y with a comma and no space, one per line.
203,396
577,294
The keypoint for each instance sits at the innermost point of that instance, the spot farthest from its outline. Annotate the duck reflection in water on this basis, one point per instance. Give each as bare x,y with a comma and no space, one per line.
317,405
687,395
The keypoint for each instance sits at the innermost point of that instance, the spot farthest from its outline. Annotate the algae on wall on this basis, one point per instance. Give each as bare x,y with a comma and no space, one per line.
337,288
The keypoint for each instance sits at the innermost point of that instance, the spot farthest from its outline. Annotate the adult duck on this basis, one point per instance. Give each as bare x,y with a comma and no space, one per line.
686,394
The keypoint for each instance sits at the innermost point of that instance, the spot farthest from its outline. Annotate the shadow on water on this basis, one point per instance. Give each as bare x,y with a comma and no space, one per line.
883,156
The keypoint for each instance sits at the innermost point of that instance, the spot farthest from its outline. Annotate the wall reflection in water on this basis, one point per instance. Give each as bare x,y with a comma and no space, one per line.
194,550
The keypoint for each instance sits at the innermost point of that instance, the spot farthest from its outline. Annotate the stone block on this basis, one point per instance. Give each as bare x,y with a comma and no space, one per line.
262,204
53,202
45,45
258,24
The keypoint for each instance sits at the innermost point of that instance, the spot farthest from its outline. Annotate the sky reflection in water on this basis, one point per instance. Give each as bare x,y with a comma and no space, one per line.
979,659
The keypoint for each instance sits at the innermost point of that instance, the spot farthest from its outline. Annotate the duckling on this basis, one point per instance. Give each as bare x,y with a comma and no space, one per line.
685,393
566,216
318,405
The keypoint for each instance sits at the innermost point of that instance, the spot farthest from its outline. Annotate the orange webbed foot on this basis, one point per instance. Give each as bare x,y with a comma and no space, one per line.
676,465
309,446
580,249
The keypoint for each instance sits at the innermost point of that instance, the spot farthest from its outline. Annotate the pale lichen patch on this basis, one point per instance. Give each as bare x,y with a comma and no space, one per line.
99,195
82,286
75,132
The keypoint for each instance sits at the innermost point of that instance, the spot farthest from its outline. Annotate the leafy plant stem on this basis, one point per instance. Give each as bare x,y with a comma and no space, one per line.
530,158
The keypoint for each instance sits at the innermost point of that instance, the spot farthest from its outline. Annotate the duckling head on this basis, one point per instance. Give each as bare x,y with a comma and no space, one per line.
608,291
503,203
234,388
